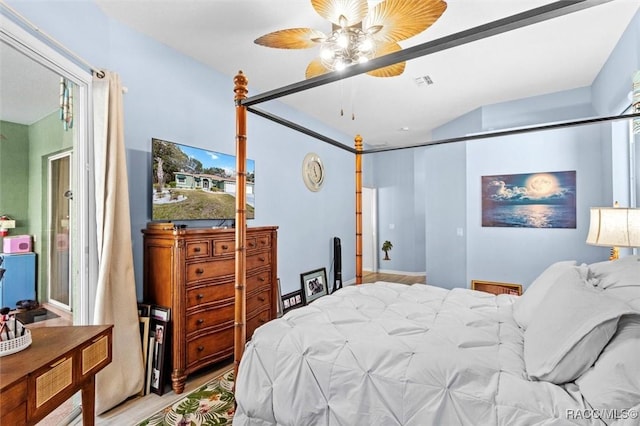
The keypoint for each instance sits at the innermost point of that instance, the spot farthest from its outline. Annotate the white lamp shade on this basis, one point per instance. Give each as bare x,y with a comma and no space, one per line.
614,227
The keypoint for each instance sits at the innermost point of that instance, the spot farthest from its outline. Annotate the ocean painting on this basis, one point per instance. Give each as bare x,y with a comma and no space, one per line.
530,200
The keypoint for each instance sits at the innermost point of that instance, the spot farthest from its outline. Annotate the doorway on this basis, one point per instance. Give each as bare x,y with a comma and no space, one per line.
369,230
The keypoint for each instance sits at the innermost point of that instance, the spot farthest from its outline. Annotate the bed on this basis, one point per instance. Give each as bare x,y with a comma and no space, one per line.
566,352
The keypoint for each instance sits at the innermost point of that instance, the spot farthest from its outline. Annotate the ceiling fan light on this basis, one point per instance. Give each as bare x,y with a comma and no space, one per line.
366,45
362,59
343,40
326,53
339,65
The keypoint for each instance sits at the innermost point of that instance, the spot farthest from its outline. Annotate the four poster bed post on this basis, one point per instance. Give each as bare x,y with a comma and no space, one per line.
240,329
358,141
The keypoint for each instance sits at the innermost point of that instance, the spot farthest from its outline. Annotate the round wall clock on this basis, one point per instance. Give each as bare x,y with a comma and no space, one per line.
313,171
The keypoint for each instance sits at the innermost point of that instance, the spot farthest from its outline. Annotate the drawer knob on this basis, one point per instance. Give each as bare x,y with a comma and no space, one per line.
261,320
200,296
252,244
262,259
199,271
200,348
261,298
196,249
261,279
200,321
225,247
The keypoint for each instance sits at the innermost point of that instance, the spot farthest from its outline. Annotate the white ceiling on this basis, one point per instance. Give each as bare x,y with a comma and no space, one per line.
559,54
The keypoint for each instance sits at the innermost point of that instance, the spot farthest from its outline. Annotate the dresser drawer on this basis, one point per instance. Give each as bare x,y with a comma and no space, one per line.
261,279
207,270
207,318
256,321
222,247
95,355
212,346
14,404
52,380
196,249
257,301
263,241
209,293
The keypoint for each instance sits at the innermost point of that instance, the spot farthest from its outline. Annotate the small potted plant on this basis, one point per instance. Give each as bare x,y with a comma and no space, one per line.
386,247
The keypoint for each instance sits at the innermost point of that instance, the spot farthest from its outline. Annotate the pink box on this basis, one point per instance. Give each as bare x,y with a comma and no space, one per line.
17,244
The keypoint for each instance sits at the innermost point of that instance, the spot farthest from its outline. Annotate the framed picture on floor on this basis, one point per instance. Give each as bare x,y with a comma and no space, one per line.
292,300
279,307
158,367
314,284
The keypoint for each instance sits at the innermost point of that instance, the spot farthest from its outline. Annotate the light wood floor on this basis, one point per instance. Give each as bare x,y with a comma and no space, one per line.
136,409
371,277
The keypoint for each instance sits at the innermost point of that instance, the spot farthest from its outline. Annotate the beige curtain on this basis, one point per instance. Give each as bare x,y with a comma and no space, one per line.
116,291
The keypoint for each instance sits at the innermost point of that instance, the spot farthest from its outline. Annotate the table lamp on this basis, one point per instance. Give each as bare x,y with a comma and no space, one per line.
614,227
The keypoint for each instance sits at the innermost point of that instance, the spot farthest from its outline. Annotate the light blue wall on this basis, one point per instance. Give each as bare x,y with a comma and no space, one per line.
452,177
428,194
172,97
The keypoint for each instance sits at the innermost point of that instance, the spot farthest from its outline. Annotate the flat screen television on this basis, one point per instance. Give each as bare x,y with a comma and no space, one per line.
196,184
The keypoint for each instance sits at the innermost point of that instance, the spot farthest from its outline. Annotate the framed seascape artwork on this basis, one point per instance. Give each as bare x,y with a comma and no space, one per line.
292,300
530,200
314,284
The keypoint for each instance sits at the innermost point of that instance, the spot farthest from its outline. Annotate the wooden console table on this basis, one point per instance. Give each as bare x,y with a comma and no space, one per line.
59,362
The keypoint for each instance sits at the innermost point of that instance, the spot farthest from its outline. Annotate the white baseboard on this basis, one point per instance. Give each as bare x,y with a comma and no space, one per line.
411,274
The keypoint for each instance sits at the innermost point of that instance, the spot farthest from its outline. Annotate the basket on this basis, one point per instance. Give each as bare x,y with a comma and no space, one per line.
12,346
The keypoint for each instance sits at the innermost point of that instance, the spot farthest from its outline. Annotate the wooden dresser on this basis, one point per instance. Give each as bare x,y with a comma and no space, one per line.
192,271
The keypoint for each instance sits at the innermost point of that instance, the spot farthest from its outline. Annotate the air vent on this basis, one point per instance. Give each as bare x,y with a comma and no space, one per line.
423,81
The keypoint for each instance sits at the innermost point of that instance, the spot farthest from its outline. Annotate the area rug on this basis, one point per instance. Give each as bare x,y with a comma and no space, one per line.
210,404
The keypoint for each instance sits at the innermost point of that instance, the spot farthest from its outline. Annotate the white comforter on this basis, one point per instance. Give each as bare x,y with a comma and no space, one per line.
392,354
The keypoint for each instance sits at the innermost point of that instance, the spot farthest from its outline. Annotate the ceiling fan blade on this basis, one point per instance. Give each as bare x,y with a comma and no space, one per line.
292,38
391,70
315,68
403,19
331,10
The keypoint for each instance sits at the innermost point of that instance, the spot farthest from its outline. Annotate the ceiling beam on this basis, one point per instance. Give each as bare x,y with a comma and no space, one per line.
529,17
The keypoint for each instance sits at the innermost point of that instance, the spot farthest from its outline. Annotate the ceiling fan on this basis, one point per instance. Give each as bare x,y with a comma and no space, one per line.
357,33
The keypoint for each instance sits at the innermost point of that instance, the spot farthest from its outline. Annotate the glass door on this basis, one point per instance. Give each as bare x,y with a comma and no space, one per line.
60,197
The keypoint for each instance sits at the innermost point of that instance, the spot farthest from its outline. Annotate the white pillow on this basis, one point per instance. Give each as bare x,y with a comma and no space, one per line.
527,304
618,278
570,329
614,380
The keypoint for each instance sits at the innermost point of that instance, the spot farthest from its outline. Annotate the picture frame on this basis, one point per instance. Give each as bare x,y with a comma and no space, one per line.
160,333
314,284
144,336
292,300
279,306
496,287
160,313
144,309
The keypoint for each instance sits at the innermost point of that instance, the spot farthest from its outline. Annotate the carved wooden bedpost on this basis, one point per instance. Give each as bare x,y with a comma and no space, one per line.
240,329
358,140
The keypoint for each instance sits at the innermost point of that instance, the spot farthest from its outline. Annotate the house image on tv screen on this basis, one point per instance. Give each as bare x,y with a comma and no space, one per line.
194,183
208,182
